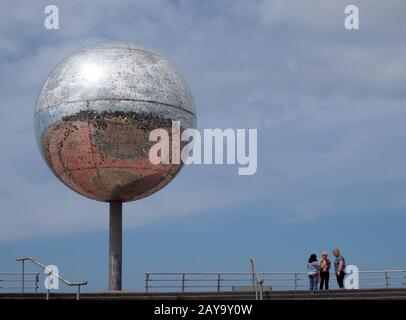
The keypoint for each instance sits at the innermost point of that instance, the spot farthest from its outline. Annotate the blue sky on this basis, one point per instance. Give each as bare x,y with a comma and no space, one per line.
328,103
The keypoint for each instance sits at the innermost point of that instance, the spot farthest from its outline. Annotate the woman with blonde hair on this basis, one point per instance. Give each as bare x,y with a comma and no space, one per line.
324,264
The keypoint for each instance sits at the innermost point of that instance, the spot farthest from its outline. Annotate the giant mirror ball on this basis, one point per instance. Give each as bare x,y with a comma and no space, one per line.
94,115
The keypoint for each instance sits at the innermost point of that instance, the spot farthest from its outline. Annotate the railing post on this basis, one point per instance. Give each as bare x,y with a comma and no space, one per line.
253,274
50,272
404,277
78,293
36,282
146,281
218,281
295,281
256,289
261,290
183,282
22,276
386,280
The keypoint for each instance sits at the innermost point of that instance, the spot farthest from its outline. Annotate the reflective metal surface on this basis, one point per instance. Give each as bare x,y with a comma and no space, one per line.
94,115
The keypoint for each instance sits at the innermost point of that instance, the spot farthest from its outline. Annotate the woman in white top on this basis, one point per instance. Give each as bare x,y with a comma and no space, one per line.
313,272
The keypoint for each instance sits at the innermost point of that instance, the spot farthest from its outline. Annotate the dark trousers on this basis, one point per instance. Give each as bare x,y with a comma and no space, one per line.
324,279
340,279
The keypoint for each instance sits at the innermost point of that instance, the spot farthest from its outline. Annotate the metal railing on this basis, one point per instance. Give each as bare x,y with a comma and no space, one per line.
78,284
257,280
12,281
368,279
229,281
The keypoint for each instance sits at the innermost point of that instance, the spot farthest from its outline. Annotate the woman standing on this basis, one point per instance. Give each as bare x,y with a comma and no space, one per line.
324,271
339,266
313,272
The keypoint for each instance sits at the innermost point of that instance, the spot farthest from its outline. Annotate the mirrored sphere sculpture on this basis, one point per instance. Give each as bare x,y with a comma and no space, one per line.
94,115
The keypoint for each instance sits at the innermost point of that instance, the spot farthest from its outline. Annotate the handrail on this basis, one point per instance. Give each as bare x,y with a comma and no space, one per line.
256,277
284,280
78,284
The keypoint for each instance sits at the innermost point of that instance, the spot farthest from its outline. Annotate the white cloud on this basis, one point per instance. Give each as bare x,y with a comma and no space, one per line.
328,104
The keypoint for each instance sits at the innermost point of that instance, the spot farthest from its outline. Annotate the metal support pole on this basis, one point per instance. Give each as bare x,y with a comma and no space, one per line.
22,276
295,281
115,245
146,281
36,282
183,282
253,274
261,290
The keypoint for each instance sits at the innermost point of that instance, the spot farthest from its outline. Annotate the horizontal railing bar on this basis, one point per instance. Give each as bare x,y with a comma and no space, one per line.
192,279
197,273
262,273
16,287
186,286
18,280
374,285
361,271
18,273
283,279
234,280
199,280
183,280
363,278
